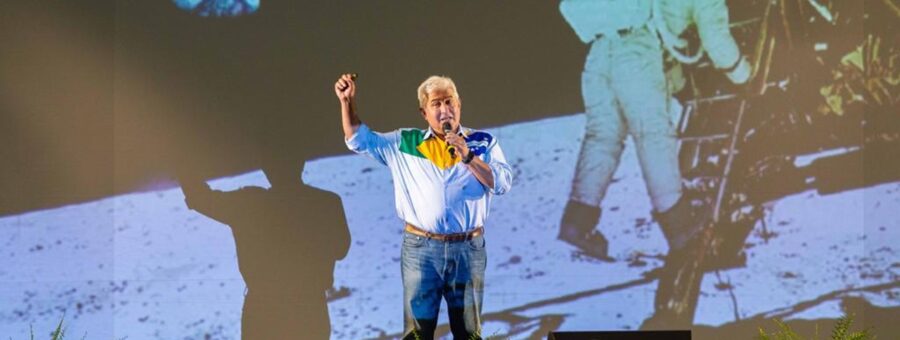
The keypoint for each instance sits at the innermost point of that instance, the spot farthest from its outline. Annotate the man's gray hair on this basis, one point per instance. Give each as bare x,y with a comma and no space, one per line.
436,83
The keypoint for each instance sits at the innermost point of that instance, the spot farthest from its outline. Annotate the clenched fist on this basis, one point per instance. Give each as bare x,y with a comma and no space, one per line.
345,87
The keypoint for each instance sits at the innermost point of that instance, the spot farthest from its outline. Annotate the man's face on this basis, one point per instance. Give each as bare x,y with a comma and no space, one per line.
441,107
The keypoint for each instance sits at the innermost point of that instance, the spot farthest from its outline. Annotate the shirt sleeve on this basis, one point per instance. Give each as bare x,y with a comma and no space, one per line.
376,145
500,170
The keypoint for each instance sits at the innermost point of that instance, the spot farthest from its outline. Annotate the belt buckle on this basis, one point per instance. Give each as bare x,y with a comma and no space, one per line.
457,237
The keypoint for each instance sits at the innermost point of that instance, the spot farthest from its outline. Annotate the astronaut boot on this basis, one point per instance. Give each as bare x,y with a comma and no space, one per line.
578,229
682,223
689,233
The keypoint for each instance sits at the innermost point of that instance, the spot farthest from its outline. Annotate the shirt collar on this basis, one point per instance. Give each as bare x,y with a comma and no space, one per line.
463,131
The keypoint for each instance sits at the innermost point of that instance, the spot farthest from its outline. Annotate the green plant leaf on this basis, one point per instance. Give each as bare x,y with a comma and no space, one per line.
59,332
841,328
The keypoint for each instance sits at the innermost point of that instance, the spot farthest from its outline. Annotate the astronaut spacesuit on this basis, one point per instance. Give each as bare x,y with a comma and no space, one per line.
625,93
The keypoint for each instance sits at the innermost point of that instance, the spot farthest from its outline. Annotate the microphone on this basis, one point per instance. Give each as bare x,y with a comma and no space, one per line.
448,130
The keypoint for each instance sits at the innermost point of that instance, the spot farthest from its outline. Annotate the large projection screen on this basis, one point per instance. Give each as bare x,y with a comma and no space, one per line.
177,169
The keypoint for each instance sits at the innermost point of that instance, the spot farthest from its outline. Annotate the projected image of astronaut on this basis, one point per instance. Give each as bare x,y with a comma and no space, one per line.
625,93
218,8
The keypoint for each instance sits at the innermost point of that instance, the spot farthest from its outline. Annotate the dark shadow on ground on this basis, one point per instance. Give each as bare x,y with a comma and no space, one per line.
288,239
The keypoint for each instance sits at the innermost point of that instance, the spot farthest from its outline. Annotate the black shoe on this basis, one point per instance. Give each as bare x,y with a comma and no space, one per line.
577,228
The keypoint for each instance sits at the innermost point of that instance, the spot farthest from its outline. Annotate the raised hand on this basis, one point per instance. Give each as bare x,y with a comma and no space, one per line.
345,90
345,87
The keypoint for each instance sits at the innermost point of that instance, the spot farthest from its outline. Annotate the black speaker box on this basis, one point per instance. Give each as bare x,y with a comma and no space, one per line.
622,335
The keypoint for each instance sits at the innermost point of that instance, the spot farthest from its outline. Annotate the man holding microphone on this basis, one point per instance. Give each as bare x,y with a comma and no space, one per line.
444,179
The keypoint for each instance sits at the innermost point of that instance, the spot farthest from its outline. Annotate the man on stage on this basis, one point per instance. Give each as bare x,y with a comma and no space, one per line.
444,179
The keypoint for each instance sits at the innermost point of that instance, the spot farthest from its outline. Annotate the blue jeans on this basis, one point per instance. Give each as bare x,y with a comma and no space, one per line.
432,269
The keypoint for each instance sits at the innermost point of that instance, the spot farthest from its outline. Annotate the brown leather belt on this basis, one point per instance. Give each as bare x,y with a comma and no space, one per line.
455,237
